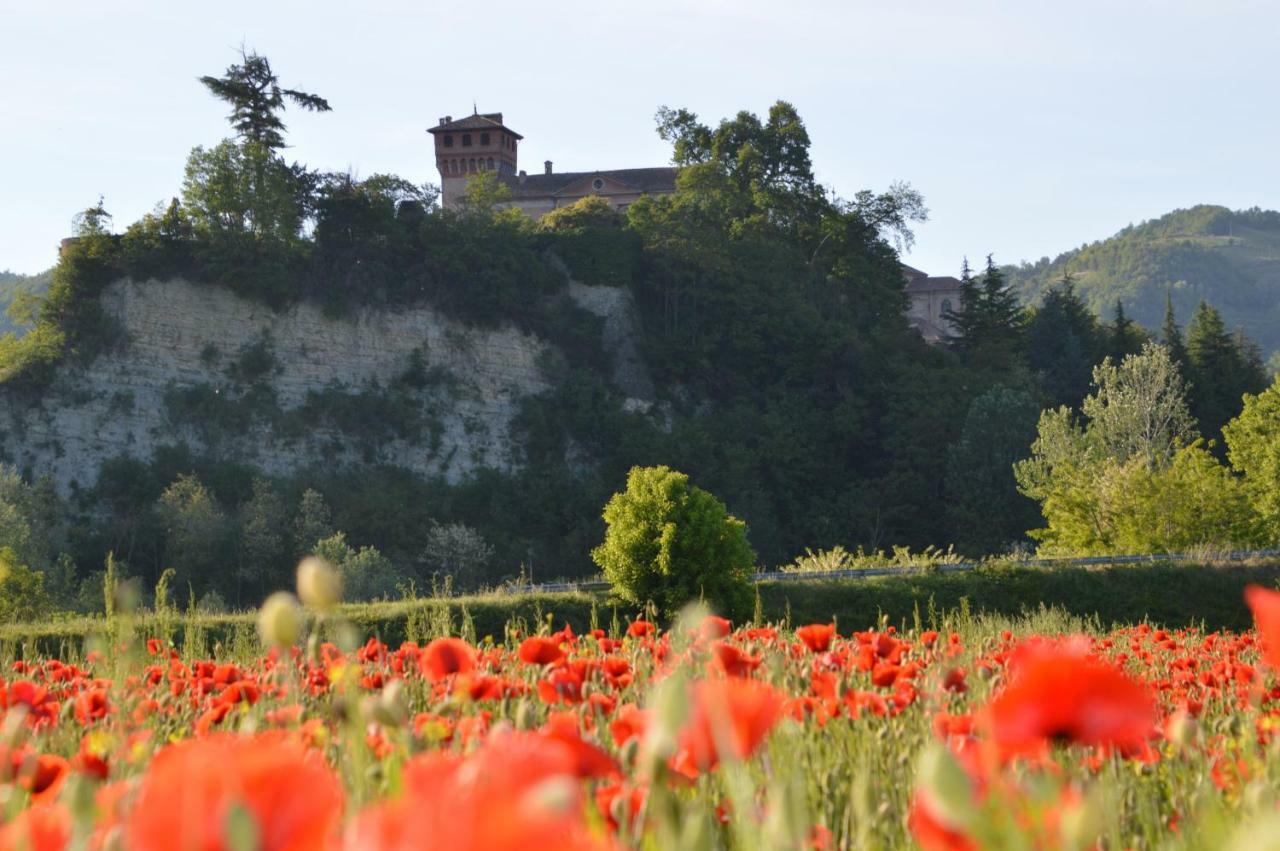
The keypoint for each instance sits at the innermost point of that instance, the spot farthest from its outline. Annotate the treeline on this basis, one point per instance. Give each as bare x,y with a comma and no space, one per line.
773,313
1204,252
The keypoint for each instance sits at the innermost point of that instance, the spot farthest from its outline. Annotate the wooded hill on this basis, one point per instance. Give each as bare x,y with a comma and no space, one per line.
1229,258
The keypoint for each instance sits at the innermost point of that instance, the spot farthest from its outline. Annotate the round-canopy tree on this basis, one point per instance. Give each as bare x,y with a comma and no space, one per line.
668,543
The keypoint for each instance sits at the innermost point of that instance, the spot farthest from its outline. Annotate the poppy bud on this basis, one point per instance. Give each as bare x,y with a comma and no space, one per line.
319,583
280,620
389,707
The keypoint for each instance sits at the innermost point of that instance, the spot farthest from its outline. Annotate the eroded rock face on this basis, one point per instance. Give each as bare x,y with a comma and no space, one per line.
466,384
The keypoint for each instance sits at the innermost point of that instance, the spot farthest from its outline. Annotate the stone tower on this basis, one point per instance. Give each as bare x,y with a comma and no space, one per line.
471,145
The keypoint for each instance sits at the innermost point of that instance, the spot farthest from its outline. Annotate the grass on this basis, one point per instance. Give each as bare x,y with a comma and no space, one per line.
1171,595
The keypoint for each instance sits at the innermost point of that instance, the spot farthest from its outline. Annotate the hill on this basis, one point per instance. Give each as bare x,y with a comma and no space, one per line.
1229,258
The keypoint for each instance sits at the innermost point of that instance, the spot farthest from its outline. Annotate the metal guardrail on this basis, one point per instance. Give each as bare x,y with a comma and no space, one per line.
891,570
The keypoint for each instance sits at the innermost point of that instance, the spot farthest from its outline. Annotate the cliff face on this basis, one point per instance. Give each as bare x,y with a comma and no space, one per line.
283,391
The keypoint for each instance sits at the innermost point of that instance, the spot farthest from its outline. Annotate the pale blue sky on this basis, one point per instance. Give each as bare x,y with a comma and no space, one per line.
1029,126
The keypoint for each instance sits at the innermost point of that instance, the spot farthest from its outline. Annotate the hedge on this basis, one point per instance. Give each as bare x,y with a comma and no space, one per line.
1171,595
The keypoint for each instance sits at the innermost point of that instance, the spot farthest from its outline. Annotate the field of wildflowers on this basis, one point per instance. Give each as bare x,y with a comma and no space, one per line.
1042,732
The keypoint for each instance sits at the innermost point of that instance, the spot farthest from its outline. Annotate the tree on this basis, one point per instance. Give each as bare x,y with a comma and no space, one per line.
1124,337
984,509
670,543
1221,373
1253,441
366,573
22,593
1133,477
195,533
1171,336
1139,408
235,189
455,549
312,523
1063,344
263,546
988,330
257,99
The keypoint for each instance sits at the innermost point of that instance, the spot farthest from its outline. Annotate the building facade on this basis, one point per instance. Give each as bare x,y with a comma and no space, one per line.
482,143
932,299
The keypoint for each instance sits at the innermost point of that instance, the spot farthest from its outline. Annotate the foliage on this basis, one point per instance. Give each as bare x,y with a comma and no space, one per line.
456,549
366,573
668,542
838,558
985,510
257,99
1132,479
1220,369
195,530
1253,440
22,591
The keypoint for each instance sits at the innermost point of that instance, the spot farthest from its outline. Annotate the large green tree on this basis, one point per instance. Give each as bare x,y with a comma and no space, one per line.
257,100
1220,371
1253,441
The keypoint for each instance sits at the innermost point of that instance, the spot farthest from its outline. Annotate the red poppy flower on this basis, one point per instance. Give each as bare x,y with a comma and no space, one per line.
190,788
714,626
446,656
1059,691
538,650
1265,605
517,792
727,718
817,636
639,629
734,661
39,828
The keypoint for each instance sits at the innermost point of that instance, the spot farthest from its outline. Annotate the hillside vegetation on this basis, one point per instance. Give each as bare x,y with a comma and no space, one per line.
1229,258
12,287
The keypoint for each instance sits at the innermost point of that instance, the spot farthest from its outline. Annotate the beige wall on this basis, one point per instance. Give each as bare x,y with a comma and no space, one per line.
929,306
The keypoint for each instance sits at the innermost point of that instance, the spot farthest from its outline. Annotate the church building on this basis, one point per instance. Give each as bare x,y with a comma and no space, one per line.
483,143
932,299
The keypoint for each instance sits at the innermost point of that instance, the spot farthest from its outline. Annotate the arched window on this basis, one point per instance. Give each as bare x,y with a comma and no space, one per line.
946,306
471,165
489,165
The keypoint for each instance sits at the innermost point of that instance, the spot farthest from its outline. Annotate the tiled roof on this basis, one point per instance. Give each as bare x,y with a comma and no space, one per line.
638,179
486,121
932,284
911,273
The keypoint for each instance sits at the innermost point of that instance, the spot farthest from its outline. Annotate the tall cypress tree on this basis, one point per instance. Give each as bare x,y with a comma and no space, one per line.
988,330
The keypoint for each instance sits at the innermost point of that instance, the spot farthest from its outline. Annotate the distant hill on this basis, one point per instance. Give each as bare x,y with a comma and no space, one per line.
1229,258
11,283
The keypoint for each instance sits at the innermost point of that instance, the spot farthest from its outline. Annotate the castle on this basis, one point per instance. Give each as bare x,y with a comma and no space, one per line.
482,143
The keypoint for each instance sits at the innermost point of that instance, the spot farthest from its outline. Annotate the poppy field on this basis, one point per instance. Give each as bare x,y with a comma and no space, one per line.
1042,732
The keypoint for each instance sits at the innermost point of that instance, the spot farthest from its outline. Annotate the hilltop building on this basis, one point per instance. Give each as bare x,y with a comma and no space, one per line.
932,298
482,143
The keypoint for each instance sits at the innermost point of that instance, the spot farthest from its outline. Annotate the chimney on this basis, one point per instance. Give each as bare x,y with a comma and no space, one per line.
547,165
446,119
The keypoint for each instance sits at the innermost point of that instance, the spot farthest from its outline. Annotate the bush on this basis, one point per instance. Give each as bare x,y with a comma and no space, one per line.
668,543
22,591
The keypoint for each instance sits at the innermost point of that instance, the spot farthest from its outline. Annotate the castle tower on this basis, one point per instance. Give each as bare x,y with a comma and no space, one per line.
470,145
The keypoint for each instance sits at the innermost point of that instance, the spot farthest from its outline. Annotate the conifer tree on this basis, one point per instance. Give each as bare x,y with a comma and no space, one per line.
1064,343
1171,336
1124,337
1221,369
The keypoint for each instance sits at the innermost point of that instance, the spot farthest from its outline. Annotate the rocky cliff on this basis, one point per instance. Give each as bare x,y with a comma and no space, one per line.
288,390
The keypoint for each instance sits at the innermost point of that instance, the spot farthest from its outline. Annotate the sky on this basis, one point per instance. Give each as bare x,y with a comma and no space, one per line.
1030,126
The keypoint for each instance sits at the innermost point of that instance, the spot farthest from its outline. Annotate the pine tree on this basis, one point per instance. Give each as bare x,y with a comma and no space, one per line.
1124,337
1064,343
1217,370
989,328
1171,336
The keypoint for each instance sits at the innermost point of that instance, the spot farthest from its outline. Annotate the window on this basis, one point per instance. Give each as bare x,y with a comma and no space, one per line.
597,184
946,306
471,165
490,164
466,140
484,138
448,140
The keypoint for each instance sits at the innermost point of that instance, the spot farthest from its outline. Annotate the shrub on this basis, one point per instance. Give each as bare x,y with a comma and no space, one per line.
22,591
668,543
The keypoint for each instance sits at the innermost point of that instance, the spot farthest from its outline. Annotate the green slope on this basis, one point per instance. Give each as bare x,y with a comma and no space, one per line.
1229,258
11,283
